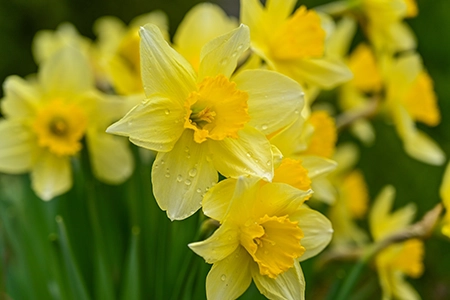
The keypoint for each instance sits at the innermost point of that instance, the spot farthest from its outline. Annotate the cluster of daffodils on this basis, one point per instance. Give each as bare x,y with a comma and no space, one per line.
229,109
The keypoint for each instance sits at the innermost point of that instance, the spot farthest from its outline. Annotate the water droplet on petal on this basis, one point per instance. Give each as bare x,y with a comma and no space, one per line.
264,127
249,154
223,277
269,163
239,48
179,178
187,182
193,172
234,54
162,161
296,111
199,191
224,61
167,111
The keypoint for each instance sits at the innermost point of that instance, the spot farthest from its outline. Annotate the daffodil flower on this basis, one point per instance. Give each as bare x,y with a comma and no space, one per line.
409,98
293,45
397,260
205,122
46,120
265,232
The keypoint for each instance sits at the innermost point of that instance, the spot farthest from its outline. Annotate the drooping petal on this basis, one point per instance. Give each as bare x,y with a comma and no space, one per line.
249,154
110,157
325,72
202,23
164,71
17,148
220,56
21,98
230,277
217,200
181,177
316,228
66,72
223,242
155,124
274,100
289,285
51,176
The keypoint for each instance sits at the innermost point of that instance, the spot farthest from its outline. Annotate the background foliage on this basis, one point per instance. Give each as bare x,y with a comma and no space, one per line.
107,236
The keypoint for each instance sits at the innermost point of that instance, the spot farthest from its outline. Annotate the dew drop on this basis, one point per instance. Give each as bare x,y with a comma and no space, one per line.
155,166
264,127
187,182
179,178
296,111
269,163
234,54
167,111
223,277
199,191
224,61
193,172
256,160
167,175
186,149
239,48
162,161
130,123
249,154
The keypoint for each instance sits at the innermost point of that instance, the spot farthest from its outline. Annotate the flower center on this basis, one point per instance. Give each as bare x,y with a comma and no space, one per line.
217,109
274,244
366,76
292,172
301,36
421,102
60,127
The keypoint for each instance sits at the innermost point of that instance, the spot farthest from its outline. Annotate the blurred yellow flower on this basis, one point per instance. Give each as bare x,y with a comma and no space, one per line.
205,122
47,118
265,232
292,44
409,98
397,260
445,196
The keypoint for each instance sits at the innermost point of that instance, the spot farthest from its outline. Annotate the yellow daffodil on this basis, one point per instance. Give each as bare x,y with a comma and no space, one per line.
397,260
312,141
265,232
409,98
202,23
205,122
292,44
118,50
445,196
46,120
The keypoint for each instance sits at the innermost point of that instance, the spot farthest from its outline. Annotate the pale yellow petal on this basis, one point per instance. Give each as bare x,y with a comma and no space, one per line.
223,242
18,147
280,10
220,55
249,154
21,98
444,190
274,100
380,209
318,166
164,71
201,24
317,230
402,74
51,176
110,156
155,124
289,285
283,139
217,200
157,17
324,190
253,15
230,277
325,72
339,42
66,73
110,32
181,177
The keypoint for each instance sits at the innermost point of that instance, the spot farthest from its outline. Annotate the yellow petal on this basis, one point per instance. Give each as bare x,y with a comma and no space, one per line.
113,167
362,63
217,200
275,101
202,23
230,277
316,228
164,71
253,15
283,139
220,55
51,176
56,80
325,72
21,98
444,192
222,243
288,285
323,140
339,42
249,154
157,17
280,10
19,146
181,177
318,166
155,124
